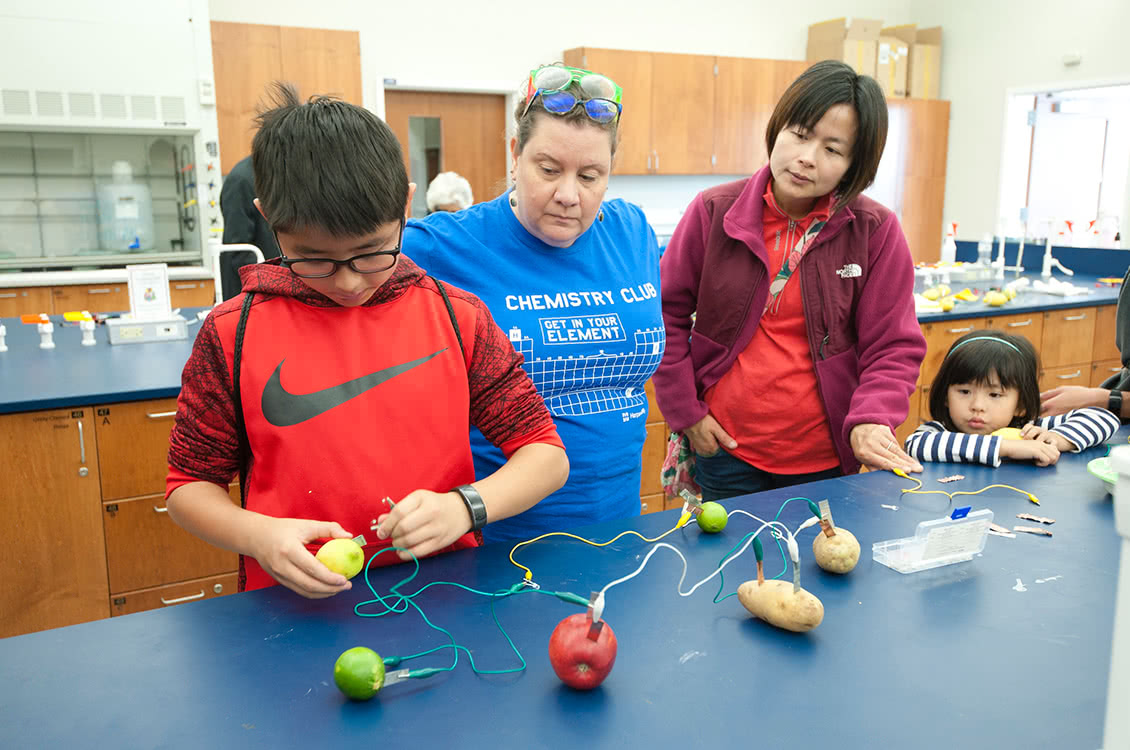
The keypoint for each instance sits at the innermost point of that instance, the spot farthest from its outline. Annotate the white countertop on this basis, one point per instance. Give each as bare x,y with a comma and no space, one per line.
100,276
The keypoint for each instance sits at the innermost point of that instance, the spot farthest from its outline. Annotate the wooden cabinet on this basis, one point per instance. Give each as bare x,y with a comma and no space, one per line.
192,293
1053,377
145,548
654,451
173,594
1104,345
92,297
133,445
53,556
912,421
96,298
246,57
1028,325
1068,337
667,123
18,301
746,91
939,338
918,143
1100,371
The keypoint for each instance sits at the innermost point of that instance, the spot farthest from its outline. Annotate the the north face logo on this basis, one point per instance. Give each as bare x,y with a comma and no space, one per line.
850,271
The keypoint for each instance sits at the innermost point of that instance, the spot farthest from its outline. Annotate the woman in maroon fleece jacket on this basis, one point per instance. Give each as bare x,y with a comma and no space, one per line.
792,341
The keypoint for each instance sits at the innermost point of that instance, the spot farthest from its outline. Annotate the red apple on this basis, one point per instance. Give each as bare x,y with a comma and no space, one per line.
579,661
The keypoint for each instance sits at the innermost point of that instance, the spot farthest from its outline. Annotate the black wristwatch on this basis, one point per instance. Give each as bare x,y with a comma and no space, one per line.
474,502
1114,404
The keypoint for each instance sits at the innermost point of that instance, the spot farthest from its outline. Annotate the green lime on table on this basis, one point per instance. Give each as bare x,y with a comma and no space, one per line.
712,518
359,673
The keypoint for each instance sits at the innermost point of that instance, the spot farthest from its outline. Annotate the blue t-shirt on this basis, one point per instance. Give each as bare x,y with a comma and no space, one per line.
587,319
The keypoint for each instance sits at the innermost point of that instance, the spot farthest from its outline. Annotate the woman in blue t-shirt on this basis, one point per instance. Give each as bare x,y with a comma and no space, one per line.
574,280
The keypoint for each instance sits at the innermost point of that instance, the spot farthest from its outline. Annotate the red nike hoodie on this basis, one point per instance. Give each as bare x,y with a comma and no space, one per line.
345,406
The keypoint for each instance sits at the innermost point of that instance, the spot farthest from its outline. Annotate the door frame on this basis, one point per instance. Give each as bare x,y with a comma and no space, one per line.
494,87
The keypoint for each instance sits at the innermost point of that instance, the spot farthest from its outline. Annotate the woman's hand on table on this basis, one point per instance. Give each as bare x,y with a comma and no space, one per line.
876,447
1067,397
707,437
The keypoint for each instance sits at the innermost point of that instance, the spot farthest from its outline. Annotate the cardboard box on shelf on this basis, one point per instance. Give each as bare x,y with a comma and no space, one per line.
924,76
854,42
891,66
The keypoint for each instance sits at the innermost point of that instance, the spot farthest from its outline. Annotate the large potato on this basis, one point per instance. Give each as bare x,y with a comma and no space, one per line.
836,554
775,602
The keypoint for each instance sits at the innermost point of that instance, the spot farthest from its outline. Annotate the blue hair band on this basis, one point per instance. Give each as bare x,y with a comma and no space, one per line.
1009,344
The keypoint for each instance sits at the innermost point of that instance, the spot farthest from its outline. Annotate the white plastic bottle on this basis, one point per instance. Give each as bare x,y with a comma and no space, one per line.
125,213
949,243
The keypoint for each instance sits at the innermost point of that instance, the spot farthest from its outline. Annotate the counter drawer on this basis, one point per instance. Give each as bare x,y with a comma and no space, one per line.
651,503
133,446
1104,346
16,301
173,594
1100,371
1053,377
144,547
93,297
1029,325
200,293
939,338
1068,338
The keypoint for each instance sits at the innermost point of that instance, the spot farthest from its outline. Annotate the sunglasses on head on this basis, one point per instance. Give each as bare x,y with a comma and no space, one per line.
552,81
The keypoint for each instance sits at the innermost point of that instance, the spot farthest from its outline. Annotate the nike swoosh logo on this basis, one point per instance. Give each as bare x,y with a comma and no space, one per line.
284,409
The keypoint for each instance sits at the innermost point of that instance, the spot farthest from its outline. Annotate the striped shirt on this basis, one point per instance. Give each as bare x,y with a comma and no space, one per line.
1082,428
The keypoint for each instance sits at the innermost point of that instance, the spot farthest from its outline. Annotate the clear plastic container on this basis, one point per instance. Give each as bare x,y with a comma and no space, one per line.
125,213
943,541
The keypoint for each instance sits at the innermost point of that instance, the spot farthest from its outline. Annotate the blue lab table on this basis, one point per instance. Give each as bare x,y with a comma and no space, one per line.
955,657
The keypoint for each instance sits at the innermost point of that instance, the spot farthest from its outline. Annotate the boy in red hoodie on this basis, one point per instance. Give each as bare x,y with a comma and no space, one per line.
343,375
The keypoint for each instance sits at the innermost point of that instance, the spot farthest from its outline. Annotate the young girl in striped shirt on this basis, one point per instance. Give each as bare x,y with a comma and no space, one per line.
986,385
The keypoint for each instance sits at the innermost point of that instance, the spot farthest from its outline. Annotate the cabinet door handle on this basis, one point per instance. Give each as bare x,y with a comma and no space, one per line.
1020,323
961,330
657,160
1081,316
97,291
81,444
184,286
1074,375
649,161
1115,369
160,414
188,598
160,510
8,295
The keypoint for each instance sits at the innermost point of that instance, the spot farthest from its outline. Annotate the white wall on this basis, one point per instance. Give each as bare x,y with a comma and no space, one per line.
992,47
491,45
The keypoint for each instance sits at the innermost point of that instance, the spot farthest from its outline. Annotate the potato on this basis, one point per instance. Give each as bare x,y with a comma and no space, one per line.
836,554
775,602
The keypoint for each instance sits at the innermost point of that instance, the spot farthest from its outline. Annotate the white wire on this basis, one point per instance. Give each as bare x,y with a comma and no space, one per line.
682,578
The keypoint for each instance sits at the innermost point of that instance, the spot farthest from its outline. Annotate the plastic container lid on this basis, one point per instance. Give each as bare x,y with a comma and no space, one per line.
935,543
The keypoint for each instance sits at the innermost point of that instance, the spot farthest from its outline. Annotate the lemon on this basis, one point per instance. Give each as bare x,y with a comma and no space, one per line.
995,299
342,556
947,303
932,294
712,518
1008,433
359,673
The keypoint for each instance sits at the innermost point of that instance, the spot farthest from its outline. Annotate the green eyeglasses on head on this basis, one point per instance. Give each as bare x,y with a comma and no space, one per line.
551,81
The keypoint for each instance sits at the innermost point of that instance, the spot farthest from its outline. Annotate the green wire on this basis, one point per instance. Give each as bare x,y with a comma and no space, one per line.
402,602
784,557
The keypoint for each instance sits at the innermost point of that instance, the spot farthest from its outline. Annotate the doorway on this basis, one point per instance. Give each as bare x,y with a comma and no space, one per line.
445,132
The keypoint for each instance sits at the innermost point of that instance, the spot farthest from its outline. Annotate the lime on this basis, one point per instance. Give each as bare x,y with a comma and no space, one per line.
712,518
359,673
342,556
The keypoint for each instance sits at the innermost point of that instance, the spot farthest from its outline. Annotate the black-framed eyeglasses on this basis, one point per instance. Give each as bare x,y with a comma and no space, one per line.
374,262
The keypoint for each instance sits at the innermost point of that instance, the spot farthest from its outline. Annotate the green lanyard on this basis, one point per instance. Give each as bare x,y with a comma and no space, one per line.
789,265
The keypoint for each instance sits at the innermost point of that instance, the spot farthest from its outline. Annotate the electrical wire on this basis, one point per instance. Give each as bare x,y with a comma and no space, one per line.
529,575
951,495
